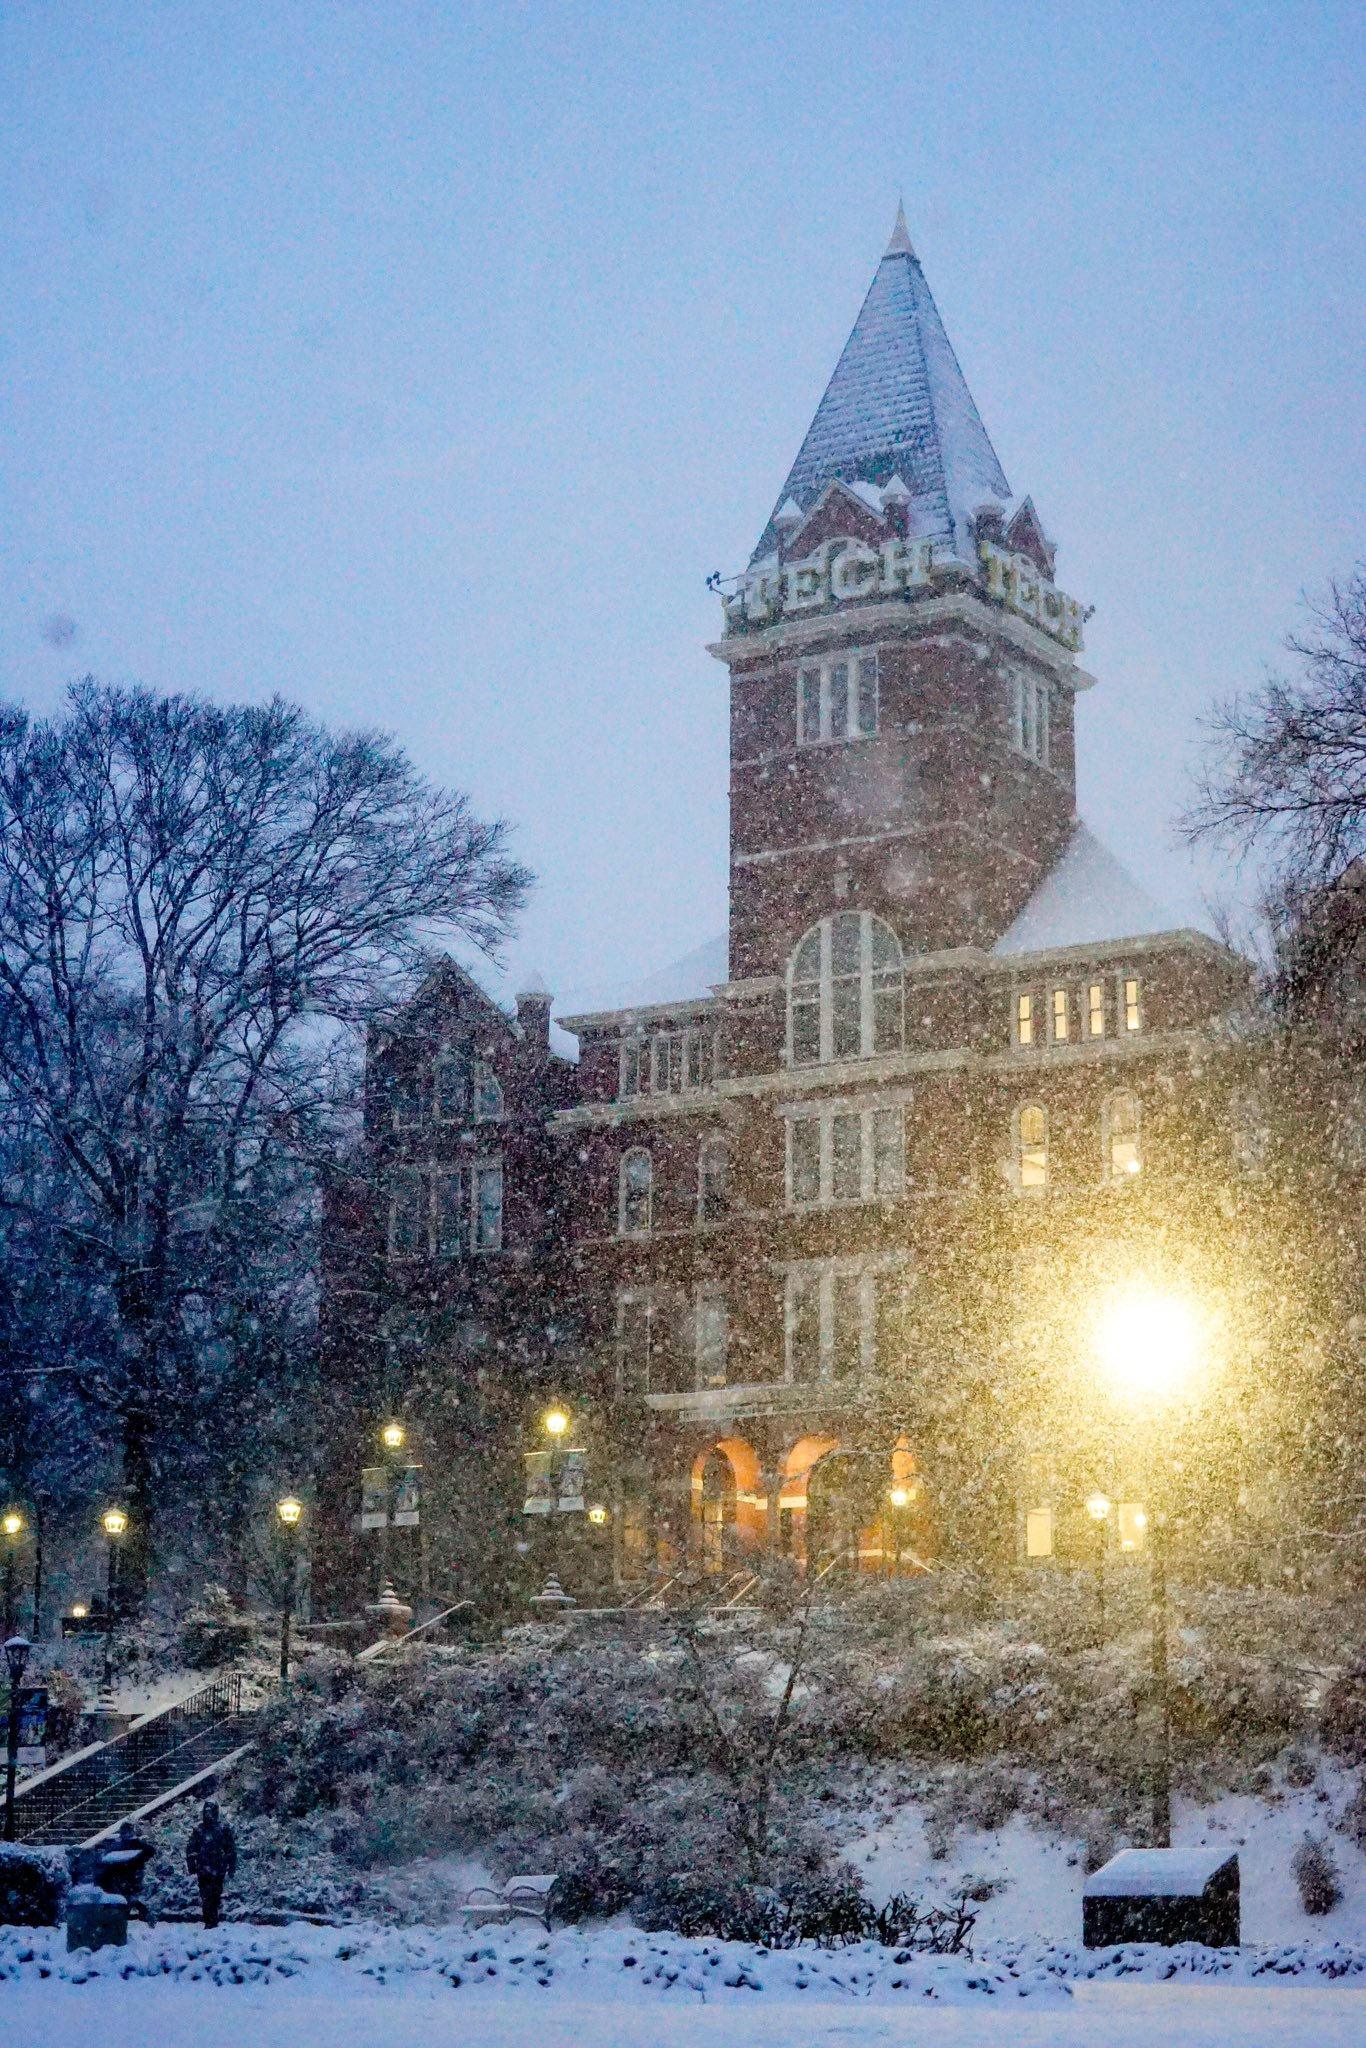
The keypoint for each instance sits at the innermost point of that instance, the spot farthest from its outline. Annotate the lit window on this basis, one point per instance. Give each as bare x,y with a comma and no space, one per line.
837,699
831,1320
845,998
1032,1147
1024,1020
1095,1010
713,1181
637,1178
1061,1016
1133,1020
1030,713
1124,1161
408,1214
711,1329
405,1102
845,1155
488,1208
488,1095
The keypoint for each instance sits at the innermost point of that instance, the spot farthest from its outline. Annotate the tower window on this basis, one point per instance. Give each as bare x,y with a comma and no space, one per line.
713,1181
1031,1149
1095,1010
845,993
1024,1020
635,1194
1030,715
1061,1016
1123,1160
1133,1019
837,699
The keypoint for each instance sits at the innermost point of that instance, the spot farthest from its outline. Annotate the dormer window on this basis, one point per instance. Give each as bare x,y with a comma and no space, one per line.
488,1094
837,699
451,1095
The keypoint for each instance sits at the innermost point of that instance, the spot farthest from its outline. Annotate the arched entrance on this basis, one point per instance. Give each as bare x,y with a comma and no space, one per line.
729,1506
854,1510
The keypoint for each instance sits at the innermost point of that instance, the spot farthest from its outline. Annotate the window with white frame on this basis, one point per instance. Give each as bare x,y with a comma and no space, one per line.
635,1194
446,1212
1024,1019
1095,1009
1133,1012
711,1335
650,1357
841,1154
405,1101
1060,1016
1120,1121
451,1085
831,1318
845,991
667,1062
1031,1148
488,1094
713,1180
837,699
1030,712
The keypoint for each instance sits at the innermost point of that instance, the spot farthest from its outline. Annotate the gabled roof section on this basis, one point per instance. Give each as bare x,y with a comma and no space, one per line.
1085,899
898,405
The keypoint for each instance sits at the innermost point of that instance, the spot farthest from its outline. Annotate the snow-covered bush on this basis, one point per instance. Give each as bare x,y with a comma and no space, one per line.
216,1632
1316,1873
1342,1714
33,1886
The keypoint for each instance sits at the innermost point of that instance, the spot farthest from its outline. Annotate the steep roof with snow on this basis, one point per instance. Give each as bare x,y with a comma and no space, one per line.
688,980
898,404
1086,899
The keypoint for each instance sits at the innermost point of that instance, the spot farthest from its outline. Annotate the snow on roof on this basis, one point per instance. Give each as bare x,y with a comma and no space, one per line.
898,404
690,979
1157,1873
1086,899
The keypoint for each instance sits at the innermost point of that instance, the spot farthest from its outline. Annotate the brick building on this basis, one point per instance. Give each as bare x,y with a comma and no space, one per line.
782,1236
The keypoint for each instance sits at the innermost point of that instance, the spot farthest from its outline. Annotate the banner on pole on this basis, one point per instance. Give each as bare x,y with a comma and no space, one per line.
539,1482
407,1496
573,1465
374,1497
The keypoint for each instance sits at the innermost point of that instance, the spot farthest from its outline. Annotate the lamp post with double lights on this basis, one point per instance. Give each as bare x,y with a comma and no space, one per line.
1148,1342
290,1512
12,1526
114,1522
16,1661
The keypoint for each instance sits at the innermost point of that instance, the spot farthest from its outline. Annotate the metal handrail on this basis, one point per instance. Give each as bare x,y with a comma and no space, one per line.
374,1651
95,1771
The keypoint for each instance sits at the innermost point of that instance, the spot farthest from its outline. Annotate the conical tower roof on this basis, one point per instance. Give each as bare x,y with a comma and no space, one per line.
898,406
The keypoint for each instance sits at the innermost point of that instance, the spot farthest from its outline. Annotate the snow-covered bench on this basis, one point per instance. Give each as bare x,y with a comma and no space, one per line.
521,1898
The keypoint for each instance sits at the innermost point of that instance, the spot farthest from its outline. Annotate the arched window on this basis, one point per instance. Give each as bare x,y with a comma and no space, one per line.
1123,1159
636,1187
1031,1148
713,1181
845,990
451,1095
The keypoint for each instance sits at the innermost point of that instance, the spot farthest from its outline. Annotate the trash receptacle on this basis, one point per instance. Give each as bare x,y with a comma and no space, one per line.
1163,1895
95,1918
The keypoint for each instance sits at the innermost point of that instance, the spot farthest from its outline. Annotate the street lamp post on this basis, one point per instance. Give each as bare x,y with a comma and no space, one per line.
16,1658
901,1497
393,1436
1098,1508
115,1524
1162,1761
12,1523
290,1511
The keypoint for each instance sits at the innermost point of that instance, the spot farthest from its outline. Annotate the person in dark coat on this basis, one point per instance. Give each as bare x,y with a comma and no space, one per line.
122,1866
211,1857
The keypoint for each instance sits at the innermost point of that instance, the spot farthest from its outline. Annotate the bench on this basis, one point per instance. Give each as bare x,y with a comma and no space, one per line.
521,1898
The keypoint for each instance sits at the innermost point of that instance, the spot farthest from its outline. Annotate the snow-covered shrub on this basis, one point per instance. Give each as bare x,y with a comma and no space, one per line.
33,1886
215,1632
829,1908
1353,1821
1316,1873
1301,1769
1342,1714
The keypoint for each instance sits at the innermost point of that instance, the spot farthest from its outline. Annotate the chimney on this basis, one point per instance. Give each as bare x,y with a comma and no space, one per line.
533,1013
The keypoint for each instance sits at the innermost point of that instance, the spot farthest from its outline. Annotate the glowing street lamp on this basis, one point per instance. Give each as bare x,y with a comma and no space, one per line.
555,1422
12,1523
598,1515
393,1436
291,1513
114,1522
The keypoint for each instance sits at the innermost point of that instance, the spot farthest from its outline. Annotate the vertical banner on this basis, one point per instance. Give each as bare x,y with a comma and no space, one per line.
374,1497
407,1496
32,1728
572,1467
539,1478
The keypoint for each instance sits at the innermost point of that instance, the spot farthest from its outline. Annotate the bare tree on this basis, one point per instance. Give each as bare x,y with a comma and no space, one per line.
195,904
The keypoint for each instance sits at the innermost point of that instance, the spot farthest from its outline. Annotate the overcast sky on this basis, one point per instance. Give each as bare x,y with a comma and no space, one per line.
419,361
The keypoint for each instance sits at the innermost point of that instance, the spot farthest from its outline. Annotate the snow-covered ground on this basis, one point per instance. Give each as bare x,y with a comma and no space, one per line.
1041,1876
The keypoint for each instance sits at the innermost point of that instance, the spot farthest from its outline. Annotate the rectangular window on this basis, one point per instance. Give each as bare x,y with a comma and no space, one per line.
832,1319
635,1065
1024,1019
846,1325
1030,707
408,1214
450,1215
1095,1010
837,700
806,1029
488,1095
712,1333
668,1063
405,1102
1061,1018
634,1318
1039,1532
1132,1018
846,1157
804,1326
488,1208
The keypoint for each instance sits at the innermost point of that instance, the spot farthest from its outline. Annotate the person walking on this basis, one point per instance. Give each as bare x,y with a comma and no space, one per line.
211,1858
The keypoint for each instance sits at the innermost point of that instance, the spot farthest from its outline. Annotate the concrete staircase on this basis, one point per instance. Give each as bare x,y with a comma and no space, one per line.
162,1758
